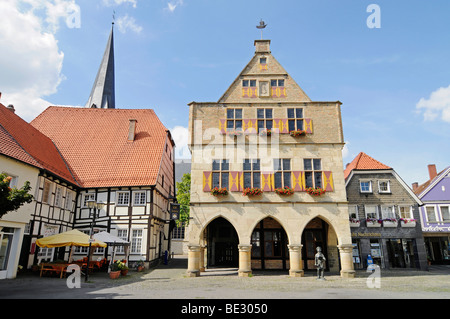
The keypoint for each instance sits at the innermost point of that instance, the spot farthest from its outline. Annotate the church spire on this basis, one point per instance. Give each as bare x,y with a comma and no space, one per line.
103,90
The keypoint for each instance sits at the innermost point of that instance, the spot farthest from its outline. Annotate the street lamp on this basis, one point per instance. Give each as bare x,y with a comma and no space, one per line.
96,206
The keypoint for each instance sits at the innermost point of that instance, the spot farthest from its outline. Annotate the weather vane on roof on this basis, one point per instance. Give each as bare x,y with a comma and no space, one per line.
261,26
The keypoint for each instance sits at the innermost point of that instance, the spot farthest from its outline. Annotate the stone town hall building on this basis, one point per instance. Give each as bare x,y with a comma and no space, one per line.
243,141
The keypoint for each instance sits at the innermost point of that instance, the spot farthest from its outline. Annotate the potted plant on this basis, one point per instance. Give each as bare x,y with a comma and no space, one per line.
284,191
219,191
140,265
123,268
115,270
297,133
315,191
252,191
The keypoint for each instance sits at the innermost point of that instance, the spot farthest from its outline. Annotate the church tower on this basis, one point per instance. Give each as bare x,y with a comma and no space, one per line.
103,90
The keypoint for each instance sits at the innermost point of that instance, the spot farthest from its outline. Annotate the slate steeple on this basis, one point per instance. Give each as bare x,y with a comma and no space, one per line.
103,90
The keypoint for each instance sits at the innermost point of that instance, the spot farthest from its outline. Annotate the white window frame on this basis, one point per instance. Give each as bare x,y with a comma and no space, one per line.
14,180
364,191
388,212
435,214
388,191
58,196
442,216
49,192
69,199
125,200
122,234
139,198
137,236
352,212
410,212
86,197
377,212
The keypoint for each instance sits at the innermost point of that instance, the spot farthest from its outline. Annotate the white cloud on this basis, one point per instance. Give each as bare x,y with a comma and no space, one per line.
110,3
436,106
30,59
345,151
180,136
127,23
171,6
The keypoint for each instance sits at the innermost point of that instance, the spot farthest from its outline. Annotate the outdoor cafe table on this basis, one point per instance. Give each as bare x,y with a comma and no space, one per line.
58,268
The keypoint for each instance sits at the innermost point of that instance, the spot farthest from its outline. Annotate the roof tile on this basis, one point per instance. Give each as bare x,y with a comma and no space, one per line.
364,162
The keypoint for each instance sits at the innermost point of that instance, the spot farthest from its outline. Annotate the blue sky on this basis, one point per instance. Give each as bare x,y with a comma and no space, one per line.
393,81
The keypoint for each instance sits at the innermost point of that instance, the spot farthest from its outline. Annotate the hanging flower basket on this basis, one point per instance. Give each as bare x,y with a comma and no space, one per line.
252,191
284,191
315,191
297,133
219,191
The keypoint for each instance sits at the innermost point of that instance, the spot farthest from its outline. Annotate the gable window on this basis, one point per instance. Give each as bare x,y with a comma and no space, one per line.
139,198
220,174
252,173
282,175
431,214
365,186
249,83
384,187
313,172
123,198
234,119
264,117
295,119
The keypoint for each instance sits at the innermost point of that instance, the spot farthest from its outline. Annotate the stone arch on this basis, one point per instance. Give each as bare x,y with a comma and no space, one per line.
318,231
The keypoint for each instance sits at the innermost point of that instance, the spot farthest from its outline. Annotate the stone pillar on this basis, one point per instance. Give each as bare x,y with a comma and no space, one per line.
245,260
347,270
193,261
295,259
202,259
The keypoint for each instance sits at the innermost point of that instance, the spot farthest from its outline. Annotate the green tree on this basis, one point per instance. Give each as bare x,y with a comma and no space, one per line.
184,198
12,198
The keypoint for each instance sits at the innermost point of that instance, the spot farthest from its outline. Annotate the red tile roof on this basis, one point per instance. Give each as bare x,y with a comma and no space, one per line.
364,162
21,141
423,186
95,144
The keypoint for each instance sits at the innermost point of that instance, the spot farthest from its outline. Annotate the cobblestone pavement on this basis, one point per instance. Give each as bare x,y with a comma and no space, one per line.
170,282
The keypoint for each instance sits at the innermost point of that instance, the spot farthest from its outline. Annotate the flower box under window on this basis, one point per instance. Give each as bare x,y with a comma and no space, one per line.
390,222
315,191
354,222
252,191
407,222
265,132
297,133
373,222
235,133
284,191
219,191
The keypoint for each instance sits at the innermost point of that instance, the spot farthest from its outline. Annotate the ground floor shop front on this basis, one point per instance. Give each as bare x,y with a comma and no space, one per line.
438,248
388,253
